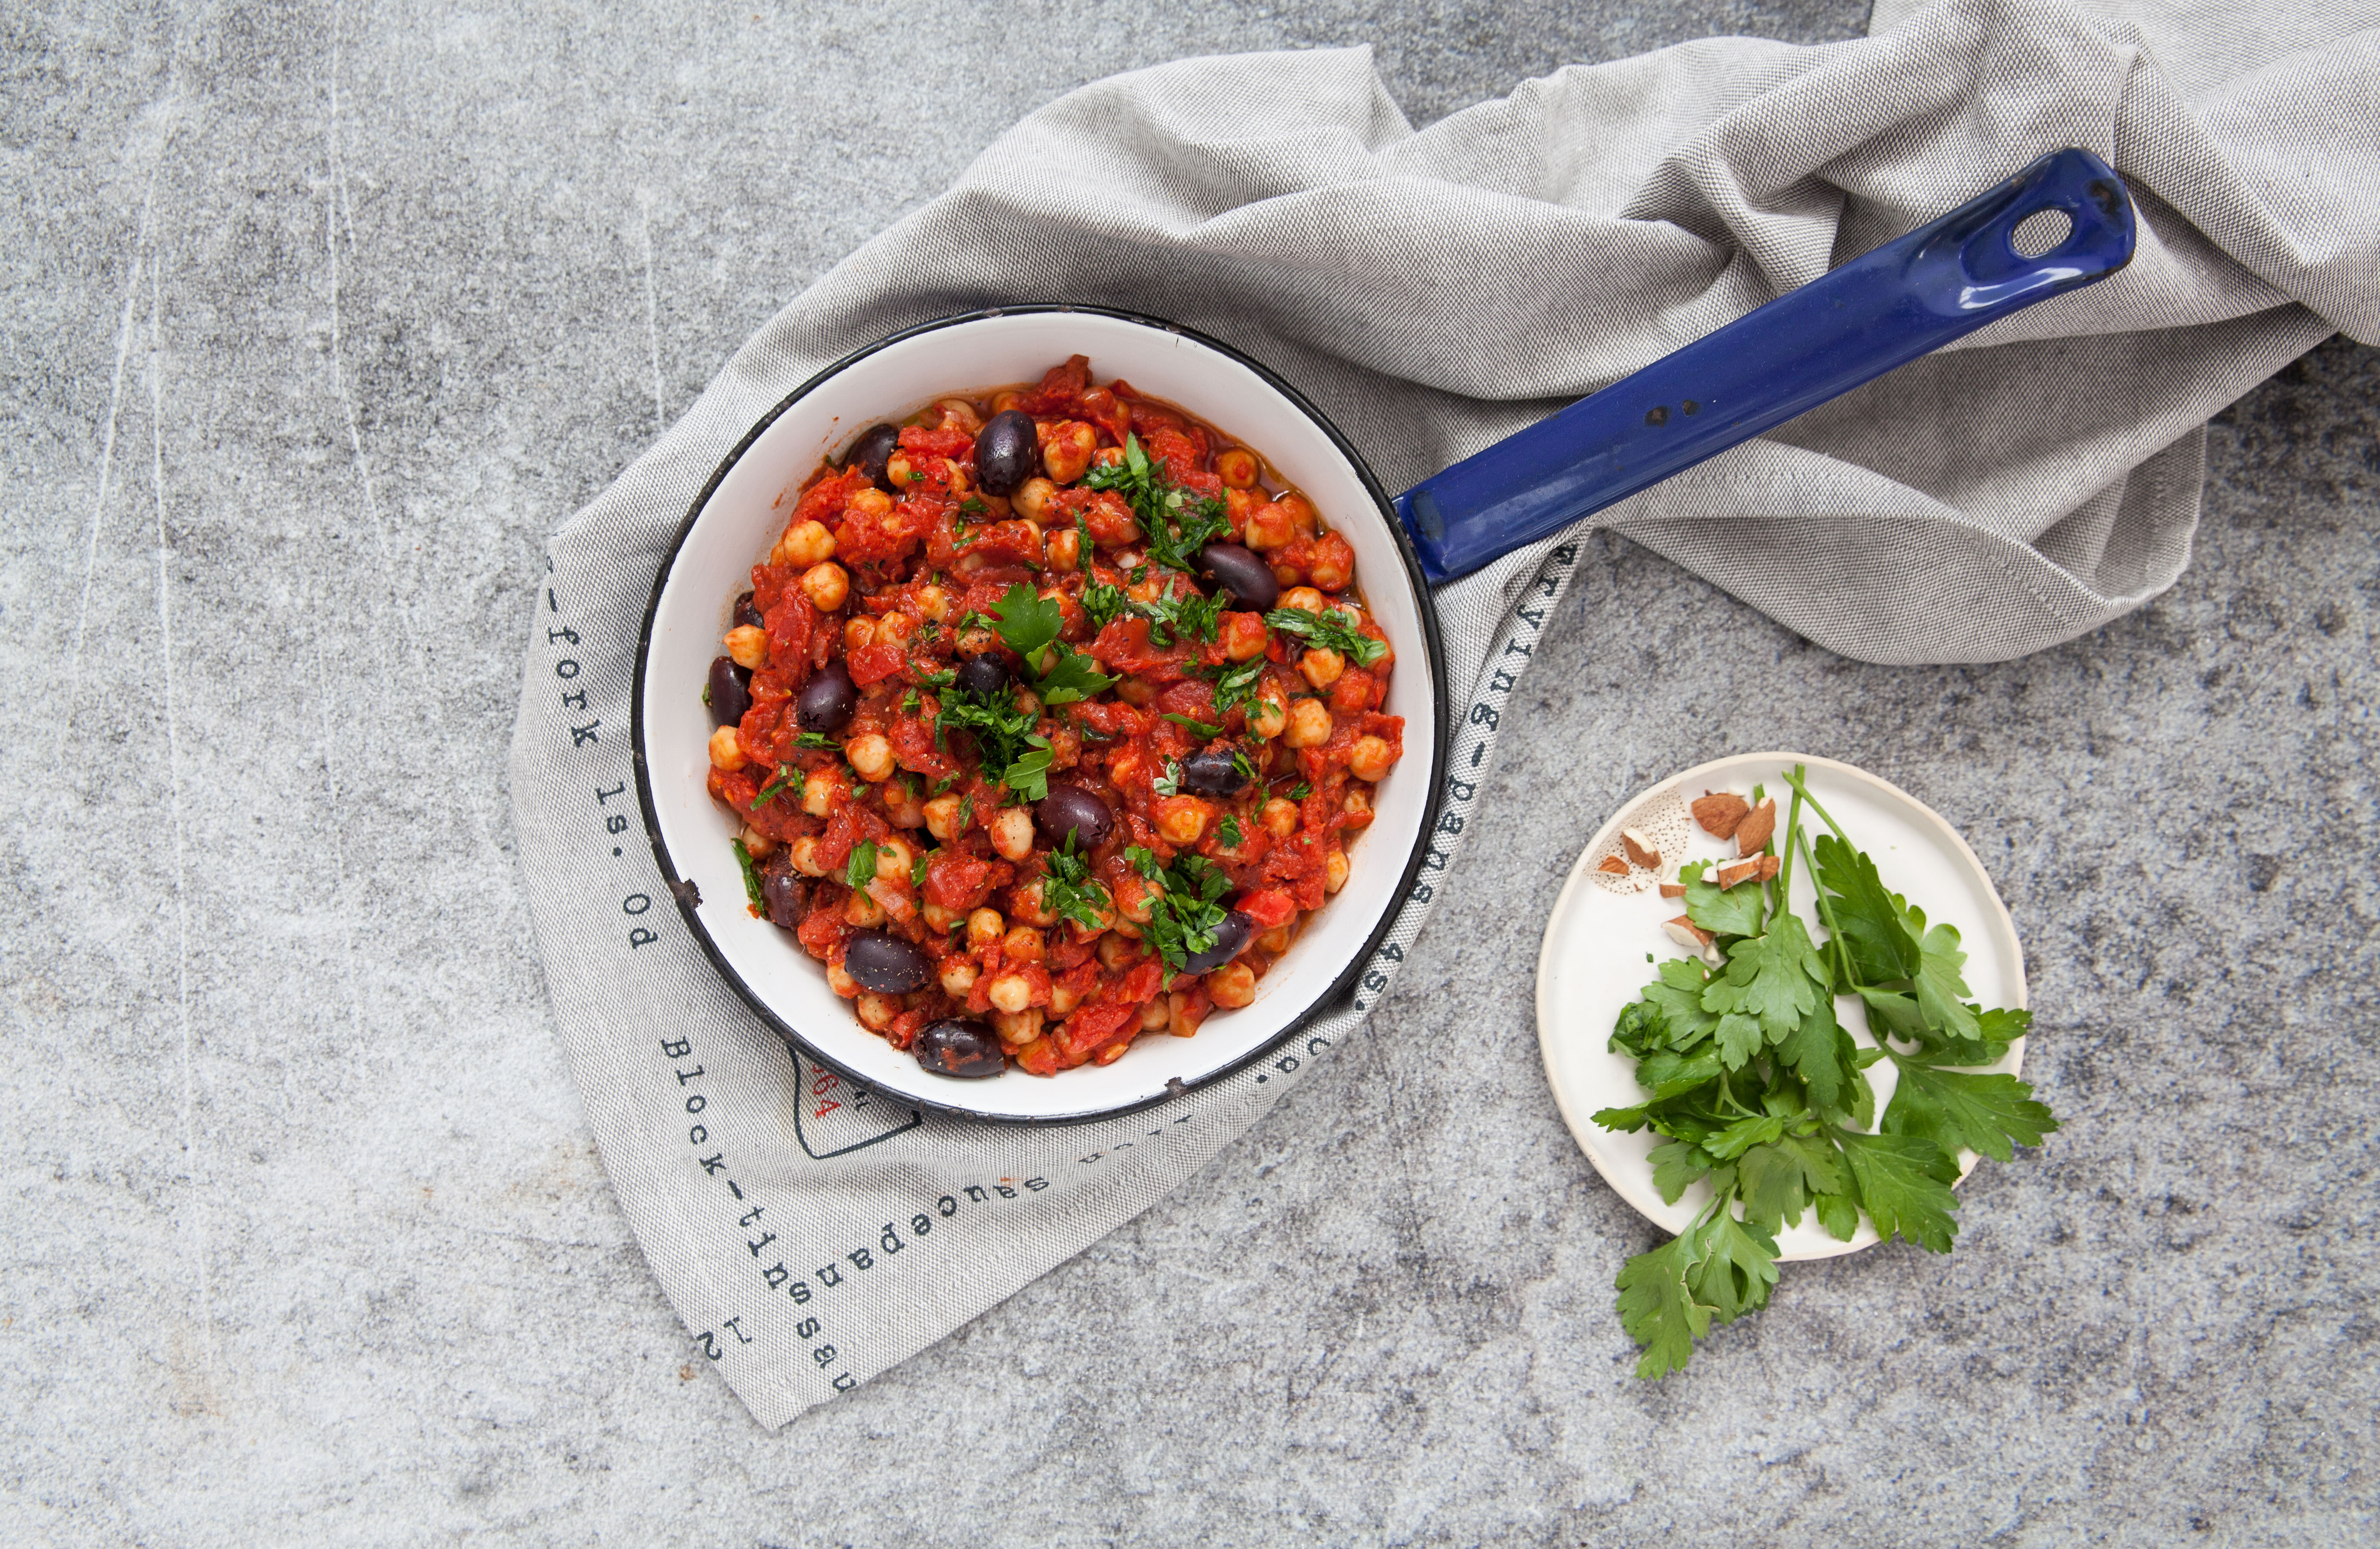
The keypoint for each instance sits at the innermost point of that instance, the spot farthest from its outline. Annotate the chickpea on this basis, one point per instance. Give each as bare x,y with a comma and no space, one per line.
1370,759
808,543
1032,497
1179,1019
840,981
932,601
1012,832
756,843
818,795
1309,724
1334,564
942,817
956,477
895,629
1117,952
1017,1027
1321,666
826,586
1006,399
804,853
1154,1015
1271,526
747,645
959,414
894,860
1028,701
1136,899
1010,992
1236,468
1275,940
1139,693
1334,871
984,927
897,469
1064,999
858,633
1303,518
876,1011
1357,804
871,504
1279,817
1108,457
1067,449
871,755
975,641
1124,929
1269,712
1023,944
959,974
941,919
863,911
1232,986
1065,550
1182,819
1243,636
727,749
1305,598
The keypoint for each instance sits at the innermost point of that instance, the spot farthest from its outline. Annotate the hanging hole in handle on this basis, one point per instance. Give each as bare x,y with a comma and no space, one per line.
2041,232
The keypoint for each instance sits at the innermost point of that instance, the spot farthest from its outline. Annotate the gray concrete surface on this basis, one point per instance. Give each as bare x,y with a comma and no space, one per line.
319,319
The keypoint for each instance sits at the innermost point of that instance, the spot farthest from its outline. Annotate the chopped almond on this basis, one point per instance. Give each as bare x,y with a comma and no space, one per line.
1759,826
1673,889
1640,849
1687,934
1769,867
1614,864
1731,872
1720,812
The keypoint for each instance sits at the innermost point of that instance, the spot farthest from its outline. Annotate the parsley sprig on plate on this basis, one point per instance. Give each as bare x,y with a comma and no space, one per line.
1757,1088
1175,523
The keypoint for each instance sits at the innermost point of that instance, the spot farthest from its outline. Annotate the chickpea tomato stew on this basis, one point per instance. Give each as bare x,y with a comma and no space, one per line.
1047,720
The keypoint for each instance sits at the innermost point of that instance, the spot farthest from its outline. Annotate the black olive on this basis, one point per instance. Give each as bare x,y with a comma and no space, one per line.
1007,452
983,675
784,891
873,450
1212,773
1232,938
827,700
746,613
965,1049
730,692
1243,574
885,963
1070,809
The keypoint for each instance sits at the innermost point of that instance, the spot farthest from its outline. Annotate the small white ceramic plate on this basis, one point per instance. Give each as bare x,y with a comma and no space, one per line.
1605,936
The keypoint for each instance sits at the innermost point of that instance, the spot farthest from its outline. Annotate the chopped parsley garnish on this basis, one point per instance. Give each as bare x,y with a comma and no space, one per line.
908,701
1237,683
1241,765
816,739
787,776
1229,831
751,877
1300,791
973,503
966,813
1331,631
1104,603
1189,618
1068,892
861,870
1176,522
1185,921
1029,776
917,872
1197,728
1169,783
1029,623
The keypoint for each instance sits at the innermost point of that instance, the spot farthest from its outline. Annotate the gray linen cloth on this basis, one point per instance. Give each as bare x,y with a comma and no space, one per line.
1433,292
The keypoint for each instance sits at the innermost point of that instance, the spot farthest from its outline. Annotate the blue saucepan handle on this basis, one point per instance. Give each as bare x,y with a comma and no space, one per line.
1907,299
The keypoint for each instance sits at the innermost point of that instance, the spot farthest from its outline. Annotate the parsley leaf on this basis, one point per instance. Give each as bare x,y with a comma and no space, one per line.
1074,677
1733,911
787,776
751,877
1300,791
1029,623
1190,618
1029,775
1237,683
1904,1184
1185,919
1737,1266
1228,831
816,739
917,872
1332,631
1659,1310
1776,978
1104,603
1982,1111
1169,783
861,869
1866,915
1198,728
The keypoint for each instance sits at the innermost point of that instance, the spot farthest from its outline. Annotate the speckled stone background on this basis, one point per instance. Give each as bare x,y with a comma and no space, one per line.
319,319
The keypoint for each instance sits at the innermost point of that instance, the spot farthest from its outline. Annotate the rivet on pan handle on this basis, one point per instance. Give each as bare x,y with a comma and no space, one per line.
1907,299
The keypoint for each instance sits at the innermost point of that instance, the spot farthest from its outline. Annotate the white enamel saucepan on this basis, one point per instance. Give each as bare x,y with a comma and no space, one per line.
1868,316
